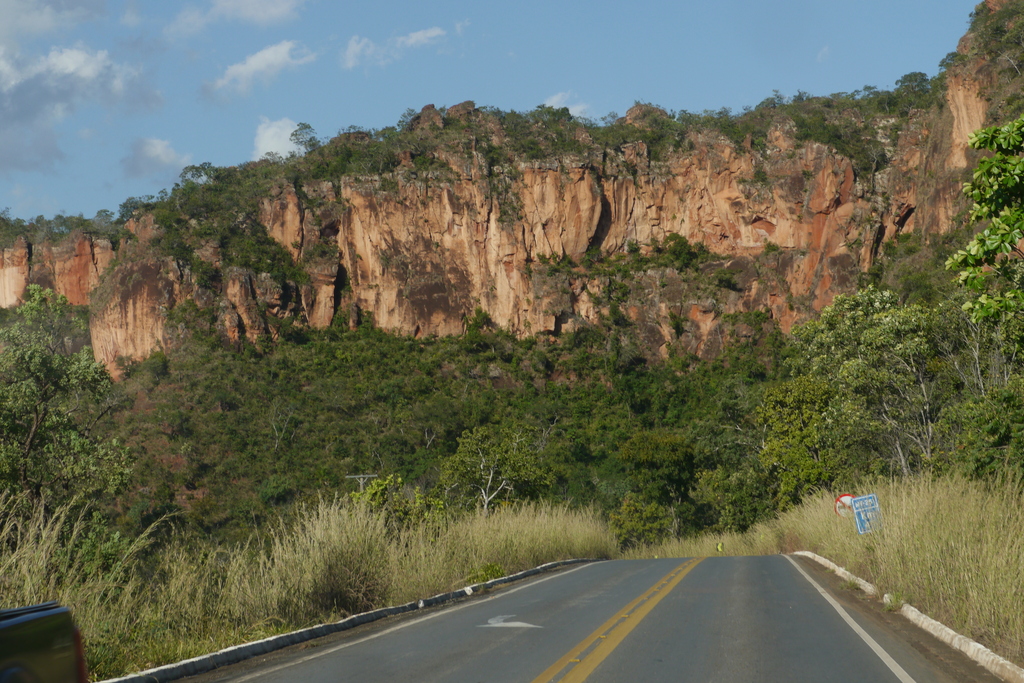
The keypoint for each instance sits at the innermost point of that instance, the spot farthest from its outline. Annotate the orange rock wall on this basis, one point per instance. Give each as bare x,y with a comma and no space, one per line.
421,258
14,272
72,267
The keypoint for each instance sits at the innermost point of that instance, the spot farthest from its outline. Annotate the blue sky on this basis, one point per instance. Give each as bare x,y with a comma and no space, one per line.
103,100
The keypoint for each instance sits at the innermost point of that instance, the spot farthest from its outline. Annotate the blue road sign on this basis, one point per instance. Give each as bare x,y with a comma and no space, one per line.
867,513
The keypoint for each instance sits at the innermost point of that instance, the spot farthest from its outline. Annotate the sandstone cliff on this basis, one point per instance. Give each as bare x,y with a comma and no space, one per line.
71,267
422,257
420,250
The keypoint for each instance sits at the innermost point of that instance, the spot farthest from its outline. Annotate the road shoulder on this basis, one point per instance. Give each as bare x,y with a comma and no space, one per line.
895,631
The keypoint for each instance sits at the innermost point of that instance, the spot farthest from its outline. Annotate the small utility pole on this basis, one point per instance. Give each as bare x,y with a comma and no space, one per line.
363,478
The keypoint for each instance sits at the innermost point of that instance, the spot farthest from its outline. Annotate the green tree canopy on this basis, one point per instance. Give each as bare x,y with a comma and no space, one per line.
491,464
661,470
992,264
661,465
305,137
886,358
640,521
801,449
50,398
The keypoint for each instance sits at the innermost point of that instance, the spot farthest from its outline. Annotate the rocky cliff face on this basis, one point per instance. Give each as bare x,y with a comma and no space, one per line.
71,267
421,257
793,224
425,256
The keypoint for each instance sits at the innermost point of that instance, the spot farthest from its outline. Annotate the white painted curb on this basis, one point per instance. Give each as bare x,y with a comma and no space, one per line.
238,653
999,666
842,573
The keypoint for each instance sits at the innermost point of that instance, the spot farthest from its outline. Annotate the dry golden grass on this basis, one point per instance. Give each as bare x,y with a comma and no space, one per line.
428,560
952,547
334,559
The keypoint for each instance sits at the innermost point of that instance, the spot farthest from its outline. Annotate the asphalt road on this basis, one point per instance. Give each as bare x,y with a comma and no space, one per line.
725,619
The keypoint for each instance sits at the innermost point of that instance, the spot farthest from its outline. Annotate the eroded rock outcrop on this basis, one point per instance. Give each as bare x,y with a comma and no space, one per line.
421,257
793,224
129,320
137,309
71,267
14,273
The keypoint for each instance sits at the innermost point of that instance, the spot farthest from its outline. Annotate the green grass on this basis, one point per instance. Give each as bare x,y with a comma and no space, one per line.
188,597
951,547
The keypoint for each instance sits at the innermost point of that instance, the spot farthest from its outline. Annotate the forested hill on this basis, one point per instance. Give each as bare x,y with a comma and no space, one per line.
685,319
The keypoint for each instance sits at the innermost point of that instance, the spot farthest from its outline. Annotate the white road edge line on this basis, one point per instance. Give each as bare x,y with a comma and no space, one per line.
398,627
1000,666
882,654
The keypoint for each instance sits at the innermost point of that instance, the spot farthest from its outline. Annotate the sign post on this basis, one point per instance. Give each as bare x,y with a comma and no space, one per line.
867,513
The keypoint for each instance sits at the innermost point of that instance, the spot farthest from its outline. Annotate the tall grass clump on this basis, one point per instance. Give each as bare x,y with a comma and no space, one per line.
952,547
153,605
332,560
436,558
54,555
329,560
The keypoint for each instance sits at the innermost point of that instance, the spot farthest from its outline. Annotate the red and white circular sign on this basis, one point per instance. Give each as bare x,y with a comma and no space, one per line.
844,505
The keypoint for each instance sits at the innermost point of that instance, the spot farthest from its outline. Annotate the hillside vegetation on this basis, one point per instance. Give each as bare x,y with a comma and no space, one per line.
229,436
171,508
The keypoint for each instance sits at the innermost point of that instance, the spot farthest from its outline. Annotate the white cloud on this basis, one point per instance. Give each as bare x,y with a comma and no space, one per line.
37,93
261,12
264,65
461,26
823,54
49,86
363,50
562,99
420,38
357,49
274,137
36,17
152,157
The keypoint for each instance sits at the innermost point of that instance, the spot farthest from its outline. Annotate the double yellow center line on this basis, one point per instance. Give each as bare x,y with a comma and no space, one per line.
581,661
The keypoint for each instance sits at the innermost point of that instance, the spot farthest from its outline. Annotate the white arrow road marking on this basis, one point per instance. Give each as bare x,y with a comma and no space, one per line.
500,621
446,611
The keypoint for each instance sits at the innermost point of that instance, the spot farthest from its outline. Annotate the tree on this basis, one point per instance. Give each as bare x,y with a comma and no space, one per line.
305,137
888,357
661,467
988,432
640,521
914,90
802,421
50,399
733,498
492,463
399,503
992,262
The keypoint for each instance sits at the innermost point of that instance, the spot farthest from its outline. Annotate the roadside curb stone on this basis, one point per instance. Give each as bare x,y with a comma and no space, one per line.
238,653
999,666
